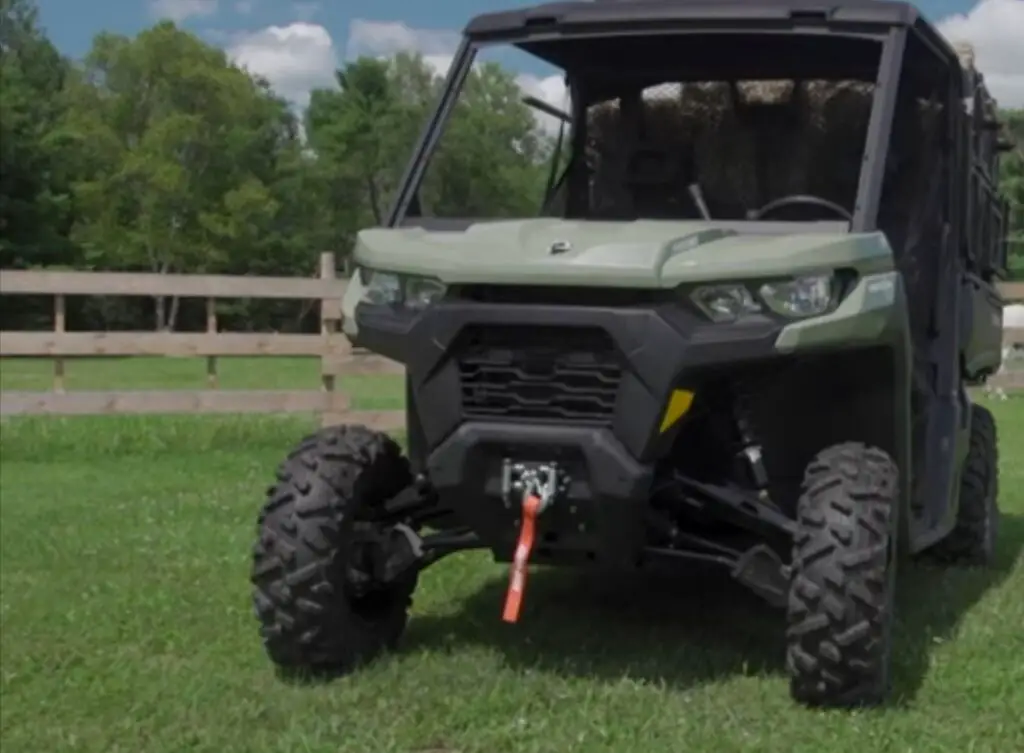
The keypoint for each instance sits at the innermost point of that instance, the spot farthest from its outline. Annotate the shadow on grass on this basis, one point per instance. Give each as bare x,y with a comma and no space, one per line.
934,599
684,632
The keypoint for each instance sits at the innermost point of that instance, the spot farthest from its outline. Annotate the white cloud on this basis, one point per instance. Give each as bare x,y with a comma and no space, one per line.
384,39
179,10
391,37
995,28
294,59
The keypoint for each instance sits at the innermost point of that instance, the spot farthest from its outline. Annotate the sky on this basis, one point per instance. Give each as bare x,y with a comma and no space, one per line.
298,44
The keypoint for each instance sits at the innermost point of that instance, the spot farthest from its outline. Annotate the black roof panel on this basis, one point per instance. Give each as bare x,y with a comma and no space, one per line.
611,11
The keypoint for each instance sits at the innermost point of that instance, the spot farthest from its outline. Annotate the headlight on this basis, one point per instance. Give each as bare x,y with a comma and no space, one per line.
390,289
811,295
725,303
382,288
420,292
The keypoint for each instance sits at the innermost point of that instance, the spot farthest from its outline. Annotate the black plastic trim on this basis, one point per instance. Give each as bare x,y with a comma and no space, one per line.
640,11
659,346
598,516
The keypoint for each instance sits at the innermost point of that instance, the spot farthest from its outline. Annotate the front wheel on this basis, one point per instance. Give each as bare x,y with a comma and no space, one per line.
320,605
840,606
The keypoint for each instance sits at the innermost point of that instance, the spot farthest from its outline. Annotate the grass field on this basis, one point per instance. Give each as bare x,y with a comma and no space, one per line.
126,626
371,392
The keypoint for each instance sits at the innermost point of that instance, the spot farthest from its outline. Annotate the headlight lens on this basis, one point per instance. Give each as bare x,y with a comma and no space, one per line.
410,291
811,295
420,292
382,288
725,303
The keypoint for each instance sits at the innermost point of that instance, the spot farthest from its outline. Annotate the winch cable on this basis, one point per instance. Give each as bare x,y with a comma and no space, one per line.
532,506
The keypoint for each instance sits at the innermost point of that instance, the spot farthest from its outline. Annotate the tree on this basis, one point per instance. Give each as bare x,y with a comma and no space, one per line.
35,209
492,157
362,133
1012,185
176,155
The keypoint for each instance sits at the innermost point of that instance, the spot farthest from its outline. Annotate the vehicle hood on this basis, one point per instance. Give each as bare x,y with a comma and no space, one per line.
636,254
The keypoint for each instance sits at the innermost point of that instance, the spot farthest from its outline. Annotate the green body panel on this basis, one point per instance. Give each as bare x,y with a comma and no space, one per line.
983,347
640,254
647,254
862,318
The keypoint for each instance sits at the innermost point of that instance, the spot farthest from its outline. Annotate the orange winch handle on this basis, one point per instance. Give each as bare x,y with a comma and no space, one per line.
521,558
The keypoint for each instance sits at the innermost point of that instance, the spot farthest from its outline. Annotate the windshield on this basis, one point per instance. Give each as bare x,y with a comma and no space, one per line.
500,144
732,146
672,126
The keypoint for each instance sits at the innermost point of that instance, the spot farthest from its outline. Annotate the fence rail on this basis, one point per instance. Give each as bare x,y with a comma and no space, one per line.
40,282
337,357
182,344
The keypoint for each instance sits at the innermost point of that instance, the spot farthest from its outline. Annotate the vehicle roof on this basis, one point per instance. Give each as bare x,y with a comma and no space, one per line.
581,11
871,12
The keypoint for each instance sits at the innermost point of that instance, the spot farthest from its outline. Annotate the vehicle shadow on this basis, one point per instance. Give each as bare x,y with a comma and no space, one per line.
703,627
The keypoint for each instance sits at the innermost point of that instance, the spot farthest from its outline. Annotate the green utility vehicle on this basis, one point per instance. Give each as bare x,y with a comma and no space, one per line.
737,330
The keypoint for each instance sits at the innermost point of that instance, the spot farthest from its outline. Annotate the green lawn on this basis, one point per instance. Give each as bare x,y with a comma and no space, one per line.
126,625
371,392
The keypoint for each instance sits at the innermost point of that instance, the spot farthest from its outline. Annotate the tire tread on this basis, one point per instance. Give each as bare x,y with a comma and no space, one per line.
299,559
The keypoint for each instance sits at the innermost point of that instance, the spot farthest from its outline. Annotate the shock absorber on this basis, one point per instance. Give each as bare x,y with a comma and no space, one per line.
750,456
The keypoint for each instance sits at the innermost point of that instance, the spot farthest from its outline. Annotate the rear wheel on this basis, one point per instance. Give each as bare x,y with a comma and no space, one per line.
840,608
320,603
973,541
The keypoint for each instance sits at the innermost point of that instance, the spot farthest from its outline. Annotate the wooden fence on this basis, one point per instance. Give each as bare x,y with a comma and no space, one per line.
332,348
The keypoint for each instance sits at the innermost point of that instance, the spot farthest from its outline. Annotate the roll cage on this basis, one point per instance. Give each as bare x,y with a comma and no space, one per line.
887,44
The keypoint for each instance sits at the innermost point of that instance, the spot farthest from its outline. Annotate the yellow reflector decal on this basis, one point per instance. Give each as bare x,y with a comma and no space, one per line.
679,403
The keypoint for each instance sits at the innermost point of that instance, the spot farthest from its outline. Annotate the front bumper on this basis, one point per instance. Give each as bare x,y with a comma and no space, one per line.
609,460
595,519
658,349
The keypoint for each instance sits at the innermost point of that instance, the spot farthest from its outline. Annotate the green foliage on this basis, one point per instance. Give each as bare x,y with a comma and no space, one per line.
489,160
490,157
34,200
179,158
1012,183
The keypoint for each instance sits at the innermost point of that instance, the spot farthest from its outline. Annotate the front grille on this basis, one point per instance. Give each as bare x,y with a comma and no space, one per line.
538,373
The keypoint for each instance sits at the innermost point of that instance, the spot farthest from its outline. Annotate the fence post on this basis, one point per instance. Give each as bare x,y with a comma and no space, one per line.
330,321
211,327
58,326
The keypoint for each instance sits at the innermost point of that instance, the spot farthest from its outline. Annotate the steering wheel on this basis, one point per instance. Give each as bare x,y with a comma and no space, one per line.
799,199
